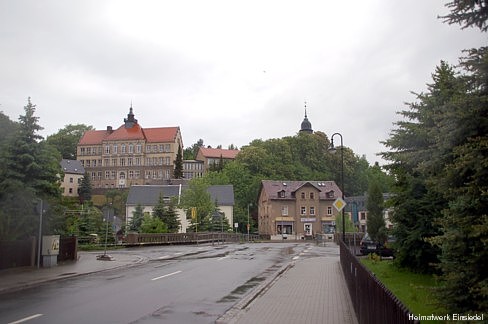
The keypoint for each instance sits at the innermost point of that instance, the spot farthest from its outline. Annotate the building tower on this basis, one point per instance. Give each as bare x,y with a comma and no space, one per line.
306,126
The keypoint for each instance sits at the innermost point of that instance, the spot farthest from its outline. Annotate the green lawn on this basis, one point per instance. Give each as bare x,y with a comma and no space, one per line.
416,291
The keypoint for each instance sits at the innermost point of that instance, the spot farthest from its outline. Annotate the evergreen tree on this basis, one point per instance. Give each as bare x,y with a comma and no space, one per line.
85,189
170,217
136,220
463,181
375,222
468,13
178,171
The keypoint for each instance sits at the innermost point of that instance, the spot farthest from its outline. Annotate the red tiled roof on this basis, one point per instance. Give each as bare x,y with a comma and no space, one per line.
122,133
152,135
161,134
217,153
93,137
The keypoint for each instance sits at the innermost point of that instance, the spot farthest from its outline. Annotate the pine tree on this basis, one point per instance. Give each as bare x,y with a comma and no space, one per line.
375,222
85,189
137,217
178,171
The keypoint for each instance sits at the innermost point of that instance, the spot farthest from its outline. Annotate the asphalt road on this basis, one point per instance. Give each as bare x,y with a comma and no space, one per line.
181,284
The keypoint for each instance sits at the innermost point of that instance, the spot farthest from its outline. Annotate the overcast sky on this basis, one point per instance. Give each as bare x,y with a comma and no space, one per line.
227,72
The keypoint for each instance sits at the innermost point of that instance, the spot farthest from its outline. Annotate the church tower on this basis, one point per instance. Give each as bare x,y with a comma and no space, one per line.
306,125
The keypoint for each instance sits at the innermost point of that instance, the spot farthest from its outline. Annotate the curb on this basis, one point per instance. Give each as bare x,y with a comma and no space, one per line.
233,313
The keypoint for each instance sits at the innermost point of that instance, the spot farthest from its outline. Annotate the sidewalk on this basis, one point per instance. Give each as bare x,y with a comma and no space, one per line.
310,290
21,278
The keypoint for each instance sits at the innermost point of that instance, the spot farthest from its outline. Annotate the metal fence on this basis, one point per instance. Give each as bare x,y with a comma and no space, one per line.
186,238
373,302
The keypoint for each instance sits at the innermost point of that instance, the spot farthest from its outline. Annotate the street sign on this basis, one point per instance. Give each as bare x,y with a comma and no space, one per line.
339,204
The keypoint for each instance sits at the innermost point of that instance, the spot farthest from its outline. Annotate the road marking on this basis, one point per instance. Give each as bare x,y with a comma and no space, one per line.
296,257
26,319
178,253
163,257
222,258
166,275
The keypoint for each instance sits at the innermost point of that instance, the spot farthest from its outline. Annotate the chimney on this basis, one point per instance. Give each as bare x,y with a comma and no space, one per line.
109,129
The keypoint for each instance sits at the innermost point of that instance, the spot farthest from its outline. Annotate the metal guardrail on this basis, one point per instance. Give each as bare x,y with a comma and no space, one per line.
373,302
133,239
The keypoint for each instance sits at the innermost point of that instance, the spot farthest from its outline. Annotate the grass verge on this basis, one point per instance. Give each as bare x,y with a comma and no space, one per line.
416,291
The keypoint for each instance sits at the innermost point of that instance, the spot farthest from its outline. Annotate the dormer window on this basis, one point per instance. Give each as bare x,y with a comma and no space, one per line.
281,194
330,194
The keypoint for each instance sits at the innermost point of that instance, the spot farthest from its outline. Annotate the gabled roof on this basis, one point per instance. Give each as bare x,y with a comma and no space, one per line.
273,187
217,153
148,195
72,166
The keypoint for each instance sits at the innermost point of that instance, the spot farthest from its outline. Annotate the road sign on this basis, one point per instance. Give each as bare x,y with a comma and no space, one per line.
339,204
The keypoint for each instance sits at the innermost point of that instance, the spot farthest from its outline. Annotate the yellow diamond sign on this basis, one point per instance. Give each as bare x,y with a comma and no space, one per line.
339,203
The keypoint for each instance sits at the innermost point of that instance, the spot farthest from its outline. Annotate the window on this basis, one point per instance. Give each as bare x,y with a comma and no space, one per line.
82,151
122,148
168,160
122,175
113,174
107,174
70,180
138,161
70,190
303,210
284,210
106,162
87,163
131,148
148,148
329,210
312,196
138,148
131,174
122,161
167,148
281,194
161,148
312,210
94,163
137,174
330,194
363,215
115,148
114,162
129,161
303,195
93,175
99,175
107,149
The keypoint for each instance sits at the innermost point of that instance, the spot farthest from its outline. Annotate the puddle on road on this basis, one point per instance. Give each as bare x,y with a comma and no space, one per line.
241,290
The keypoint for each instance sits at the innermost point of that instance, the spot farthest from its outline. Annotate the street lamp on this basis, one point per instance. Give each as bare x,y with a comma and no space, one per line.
333,150
248,224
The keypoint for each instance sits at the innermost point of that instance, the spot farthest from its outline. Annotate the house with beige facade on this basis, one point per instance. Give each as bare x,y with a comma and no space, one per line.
297,209
212,157
73,174
129,155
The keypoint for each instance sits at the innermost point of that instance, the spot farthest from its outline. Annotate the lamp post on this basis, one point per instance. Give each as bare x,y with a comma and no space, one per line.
332,149
39,239
248,224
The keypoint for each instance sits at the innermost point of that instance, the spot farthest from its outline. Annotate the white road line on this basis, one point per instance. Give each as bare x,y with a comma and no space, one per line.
296,257
222,258
26,319
163,257
166,275
178,253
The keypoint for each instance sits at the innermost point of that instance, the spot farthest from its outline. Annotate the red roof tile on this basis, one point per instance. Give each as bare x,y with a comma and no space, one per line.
152,135
93,137
217,153
161,134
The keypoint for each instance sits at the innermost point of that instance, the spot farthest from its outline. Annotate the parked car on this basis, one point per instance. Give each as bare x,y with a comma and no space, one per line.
367,246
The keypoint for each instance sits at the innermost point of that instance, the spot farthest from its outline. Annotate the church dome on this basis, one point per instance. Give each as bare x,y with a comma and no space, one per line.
306,125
